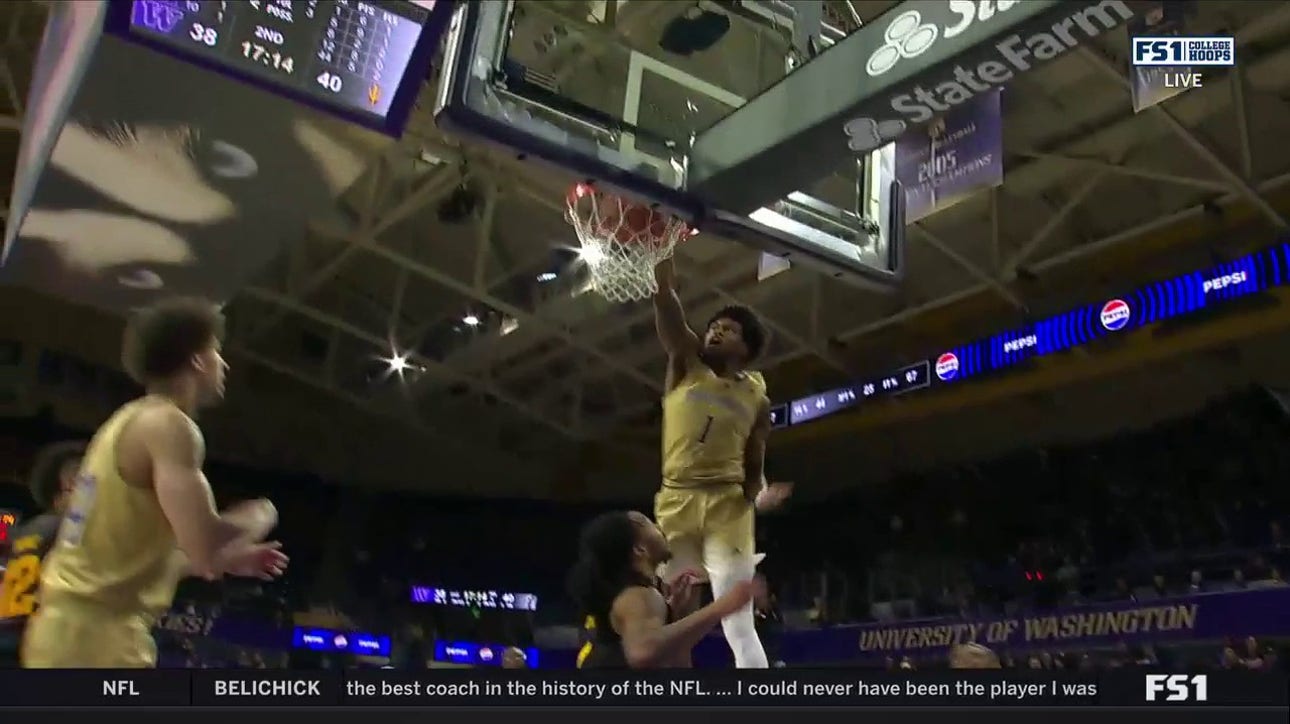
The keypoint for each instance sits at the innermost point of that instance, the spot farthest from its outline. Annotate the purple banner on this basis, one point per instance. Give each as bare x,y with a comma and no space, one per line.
1208,616
952,158
1149,82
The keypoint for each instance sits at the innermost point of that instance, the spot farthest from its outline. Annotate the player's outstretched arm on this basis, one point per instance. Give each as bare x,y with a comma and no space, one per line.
678,339
639,616
755,452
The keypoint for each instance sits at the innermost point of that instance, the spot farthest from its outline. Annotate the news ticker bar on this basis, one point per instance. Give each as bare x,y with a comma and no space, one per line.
773,688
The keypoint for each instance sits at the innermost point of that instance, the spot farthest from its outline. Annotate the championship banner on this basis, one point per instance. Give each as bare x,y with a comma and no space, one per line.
784,688
952,158
1206,616
1148,82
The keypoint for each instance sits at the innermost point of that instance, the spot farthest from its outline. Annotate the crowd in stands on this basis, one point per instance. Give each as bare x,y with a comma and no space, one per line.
1189,506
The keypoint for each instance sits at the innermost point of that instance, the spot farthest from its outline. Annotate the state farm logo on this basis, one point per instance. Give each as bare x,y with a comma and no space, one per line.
1116,314
907,37
947,366
929,90
1227,280
866,134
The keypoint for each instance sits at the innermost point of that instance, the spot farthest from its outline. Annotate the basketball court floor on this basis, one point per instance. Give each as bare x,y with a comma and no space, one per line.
433,282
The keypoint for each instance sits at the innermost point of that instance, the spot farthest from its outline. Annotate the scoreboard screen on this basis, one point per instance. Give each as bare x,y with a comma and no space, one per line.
8,521
362,60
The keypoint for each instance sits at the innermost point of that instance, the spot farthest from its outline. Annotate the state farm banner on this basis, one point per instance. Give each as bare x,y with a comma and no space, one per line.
952,158
1148,82
896,73
1208,616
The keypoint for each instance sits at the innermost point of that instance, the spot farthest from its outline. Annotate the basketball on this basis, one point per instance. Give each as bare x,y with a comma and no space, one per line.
614,217
635,224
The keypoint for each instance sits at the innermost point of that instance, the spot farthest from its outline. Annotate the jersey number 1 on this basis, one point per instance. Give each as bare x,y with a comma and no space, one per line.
703,436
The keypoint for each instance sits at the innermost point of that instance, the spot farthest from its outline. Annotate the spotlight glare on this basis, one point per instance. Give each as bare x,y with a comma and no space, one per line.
470,320
591,255
398,363
545,277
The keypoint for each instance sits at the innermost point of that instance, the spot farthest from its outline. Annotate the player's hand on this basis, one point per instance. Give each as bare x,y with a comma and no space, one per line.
772,496
264,561
683,593
734,599
256,517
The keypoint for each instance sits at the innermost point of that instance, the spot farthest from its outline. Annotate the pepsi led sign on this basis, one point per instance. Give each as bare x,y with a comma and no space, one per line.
468,653
353,642
1168,299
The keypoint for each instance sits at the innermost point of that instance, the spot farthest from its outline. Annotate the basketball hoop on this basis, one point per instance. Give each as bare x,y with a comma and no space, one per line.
621,241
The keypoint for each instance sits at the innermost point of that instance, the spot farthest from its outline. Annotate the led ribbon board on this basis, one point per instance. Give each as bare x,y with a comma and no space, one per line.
484,599
353,642
473,654
362,61
1177,297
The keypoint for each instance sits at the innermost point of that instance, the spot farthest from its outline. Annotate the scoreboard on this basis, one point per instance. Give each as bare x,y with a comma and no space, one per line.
8,522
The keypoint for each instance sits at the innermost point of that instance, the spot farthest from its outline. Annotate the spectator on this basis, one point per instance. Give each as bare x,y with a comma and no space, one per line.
1253,657
514,658
1158,586
1230,659
1197,584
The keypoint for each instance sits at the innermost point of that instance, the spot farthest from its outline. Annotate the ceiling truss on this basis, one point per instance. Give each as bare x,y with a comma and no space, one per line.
588,342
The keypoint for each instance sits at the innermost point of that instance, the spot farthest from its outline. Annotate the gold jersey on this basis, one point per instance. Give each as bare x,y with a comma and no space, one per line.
707,420
115,547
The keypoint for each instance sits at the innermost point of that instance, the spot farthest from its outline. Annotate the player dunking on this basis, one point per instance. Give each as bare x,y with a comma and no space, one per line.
716,419
638,622
142,514
51,480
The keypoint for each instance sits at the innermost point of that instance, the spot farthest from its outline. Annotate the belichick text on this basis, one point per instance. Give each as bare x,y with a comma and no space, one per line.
263,688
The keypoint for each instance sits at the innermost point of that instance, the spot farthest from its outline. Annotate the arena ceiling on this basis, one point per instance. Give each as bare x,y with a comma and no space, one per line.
442,256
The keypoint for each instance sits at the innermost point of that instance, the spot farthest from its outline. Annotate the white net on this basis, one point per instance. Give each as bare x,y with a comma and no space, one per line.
622,242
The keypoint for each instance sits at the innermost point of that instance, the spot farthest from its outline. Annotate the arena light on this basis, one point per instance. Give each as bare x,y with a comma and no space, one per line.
545,277
470,320
398,363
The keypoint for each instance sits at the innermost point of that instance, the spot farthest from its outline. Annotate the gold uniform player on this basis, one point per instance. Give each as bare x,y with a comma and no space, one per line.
141,514
716,420
52,477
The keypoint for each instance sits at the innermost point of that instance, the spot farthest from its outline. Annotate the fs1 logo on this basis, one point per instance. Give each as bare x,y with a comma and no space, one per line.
947,366
1177,687
1116,314
1178,51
